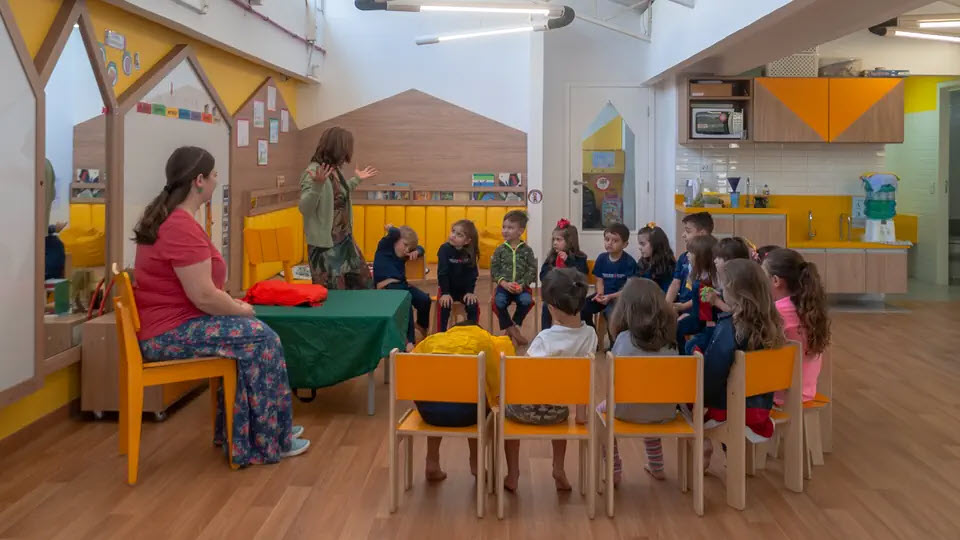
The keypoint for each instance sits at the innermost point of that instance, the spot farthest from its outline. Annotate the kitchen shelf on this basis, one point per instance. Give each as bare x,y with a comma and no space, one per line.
686,102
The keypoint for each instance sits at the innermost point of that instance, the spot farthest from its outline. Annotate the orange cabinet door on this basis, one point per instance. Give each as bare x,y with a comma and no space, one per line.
790,109
866,110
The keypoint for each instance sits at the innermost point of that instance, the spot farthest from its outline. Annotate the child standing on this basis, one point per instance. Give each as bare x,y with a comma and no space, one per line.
612,269
564,253
645,325
390,272
564,291
464,338
457,272
802,302
752,325
704,273
680,293
513,268
656,261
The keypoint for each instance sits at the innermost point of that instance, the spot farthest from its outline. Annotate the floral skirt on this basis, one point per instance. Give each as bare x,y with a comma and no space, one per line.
340,267
263,408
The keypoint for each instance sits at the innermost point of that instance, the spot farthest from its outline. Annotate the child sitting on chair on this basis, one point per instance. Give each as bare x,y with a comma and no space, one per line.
564,291
390,272
457,272
612,269
513,268
463,338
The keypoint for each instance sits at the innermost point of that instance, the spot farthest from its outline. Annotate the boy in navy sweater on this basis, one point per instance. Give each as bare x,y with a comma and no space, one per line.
457,272
390,272
680,293
612,270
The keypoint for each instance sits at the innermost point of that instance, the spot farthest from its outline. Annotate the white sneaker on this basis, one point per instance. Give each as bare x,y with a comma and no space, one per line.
755,438
296,431
297,447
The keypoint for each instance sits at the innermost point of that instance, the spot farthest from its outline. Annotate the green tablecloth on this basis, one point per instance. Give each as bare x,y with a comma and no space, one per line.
345,337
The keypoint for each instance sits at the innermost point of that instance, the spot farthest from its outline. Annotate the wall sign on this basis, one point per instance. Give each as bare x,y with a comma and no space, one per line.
115,40
112,73
127,63
603,183
535,196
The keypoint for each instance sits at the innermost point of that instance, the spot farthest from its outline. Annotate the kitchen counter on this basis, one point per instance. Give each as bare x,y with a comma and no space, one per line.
845,244
734,211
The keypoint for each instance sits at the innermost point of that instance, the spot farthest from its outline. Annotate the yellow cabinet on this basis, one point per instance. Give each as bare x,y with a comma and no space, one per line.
866,110
790,109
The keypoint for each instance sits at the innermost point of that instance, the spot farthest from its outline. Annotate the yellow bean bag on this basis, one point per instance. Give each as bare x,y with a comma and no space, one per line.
84,239
471,340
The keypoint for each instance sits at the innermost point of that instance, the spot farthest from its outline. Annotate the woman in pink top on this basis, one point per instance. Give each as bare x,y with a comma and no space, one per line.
185,313
802,302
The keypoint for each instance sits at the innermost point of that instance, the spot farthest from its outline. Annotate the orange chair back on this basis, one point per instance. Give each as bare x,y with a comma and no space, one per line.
270,245
124,289
655,379
451,378
769,370
130,354
556,380
591,279
416,269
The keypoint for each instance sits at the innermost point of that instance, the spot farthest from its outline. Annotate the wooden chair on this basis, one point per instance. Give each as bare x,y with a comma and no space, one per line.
534,291
599,320
560,380
754,373
270,245
658,379
135,375
437,377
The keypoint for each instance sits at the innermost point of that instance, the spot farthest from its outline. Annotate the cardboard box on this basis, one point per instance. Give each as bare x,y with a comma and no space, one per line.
711,90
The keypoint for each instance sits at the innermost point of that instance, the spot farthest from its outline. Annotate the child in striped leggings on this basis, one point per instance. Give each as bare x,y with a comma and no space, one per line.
645,325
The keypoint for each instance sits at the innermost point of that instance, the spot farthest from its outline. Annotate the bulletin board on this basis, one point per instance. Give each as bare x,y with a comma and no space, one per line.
178,111
19,319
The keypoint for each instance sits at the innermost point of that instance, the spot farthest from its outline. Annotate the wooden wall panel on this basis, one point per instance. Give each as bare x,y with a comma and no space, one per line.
790,110
419,139
90,144
246,175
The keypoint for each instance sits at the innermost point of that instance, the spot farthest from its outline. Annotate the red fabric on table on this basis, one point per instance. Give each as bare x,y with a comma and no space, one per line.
281,293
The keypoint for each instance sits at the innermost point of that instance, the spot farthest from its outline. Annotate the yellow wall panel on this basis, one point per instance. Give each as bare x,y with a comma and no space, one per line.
34,18
495,219
359,227
374,222
609,137
454,214
920,93
417,220
396,216
478,216
436,231
59,388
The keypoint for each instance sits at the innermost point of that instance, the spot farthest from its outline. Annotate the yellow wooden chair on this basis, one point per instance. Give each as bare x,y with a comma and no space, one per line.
558,380
436,377
659,379
135,375
270,245
753,373
599,320
534,289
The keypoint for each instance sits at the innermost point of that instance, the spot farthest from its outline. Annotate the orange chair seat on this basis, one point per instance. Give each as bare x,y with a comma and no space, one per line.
677,426
819,398
779,417
413,423
568,429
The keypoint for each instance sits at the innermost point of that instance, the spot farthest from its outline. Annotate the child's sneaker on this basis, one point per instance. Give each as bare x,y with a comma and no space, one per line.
296,432
297,447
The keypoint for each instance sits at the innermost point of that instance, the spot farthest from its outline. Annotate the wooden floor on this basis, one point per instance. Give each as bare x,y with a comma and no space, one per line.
894,473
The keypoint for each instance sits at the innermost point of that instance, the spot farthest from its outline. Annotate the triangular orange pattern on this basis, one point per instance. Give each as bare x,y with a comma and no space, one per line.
851,98
806,98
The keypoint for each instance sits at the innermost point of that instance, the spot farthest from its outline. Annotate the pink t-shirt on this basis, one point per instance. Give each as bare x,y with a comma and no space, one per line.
161,300
794,331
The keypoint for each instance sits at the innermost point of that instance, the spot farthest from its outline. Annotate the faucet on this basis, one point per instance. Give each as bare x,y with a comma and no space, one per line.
845,221
811,233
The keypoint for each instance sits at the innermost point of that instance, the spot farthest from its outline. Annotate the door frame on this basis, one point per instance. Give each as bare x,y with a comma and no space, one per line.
942,215
648,209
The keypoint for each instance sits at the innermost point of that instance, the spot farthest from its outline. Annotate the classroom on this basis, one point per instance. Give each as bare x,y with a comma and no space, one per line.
288,248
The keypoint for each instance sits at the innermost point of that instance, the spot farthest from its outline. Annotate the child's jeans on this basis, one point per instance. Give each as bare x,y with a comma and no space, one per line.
591,308
701,340
420,303
503,298
687,326
443,314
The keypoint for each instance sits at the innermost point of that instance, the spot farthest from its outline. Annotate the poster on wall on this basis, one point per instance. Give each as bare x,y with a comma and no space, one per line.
271,98
284,120
258,114
274,130
261,151
243,132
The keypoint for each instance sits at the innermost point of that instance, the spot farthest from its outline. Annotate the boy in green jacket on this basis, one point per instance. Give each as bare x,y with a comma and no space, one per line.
513,269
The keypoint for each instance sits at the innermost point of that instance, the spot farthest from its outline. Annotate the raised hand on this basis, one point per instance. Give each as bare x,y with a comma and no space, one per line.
367,172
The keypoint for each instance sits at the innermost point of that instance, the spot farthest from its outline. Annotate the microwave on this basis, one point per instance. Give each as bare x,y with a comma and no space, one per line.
717,122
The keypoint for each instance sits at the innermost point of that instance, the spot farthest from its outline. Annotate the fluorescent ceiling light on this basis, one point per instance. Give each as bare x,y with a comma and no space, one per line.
429,40
519,10
923,35
939,24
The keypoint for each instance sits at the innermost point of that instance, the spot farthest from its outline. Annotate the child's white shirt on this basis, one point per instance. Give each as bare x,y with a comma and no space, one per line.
564,341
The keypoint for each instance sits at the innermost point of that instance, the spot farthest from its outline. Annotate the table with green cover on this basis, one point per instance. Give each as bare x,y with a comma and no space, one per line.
344,338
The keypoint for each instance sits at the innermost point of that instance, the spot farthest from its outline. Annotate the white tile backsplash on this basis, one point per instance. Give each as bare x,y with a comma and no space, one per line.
789,169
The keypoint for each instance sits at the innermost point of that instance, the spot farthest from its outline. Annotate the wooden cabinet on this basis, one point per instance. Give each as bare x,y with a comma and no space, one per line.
791,109
722,227
762,230
886,271
817,257
864,110
845,271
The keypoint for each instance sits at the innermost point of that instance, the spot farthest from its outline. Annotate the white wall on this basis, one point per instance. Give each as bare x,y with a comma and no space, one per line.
372,56
921,57
665,143
227,24
72,97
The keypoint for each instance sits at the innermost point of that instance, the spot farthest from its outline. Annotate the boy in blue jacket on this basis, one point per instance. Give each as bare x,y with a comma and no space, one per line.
390,272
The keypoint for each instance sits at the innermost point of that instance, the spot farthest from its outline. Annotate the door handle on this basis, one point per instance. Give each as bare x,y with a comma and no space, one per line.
578,182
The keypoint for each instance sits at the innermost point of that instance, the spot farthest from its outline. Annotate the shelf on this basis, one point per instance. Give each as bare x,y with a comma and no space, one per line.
718,98
88,185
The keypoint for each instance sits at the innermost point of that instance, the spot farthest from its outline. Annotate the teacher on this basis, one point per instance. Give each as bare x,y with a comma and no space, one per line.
336,261
185,313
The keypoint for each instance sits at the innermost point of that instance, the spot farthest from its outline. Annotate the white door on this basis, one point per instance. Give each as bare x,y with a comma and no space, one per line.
610,160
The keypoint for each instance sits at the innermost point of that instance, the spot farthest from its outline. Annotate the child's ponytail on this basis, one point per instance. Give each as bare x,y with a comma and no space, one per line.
806,292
